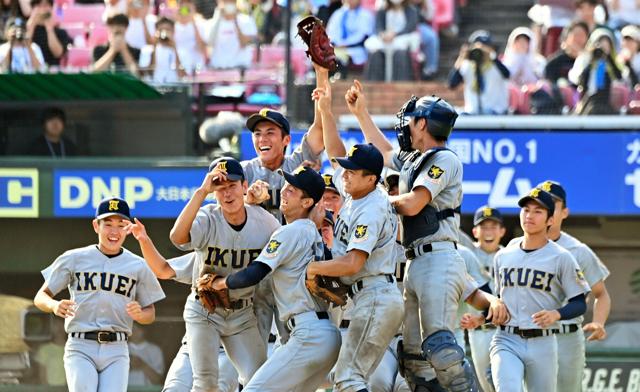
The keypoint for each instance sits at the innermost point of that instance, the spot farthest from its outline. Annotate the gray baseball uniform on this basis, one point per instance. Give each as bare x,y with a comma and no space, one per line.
436,278
472,266
368,224
180,377
304,361
529,282
224,250
101,286
480,338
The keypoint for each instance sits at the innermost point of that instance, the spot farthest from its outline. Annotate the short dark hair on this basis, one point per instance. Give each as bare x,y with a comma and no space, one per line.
576,24
53,112
36,2
165,20
118,20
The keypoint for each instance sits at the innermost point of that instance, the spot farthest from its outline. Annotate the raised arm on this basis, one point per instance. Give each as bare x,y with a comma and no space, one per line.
315,134
356,102
158,264
333,142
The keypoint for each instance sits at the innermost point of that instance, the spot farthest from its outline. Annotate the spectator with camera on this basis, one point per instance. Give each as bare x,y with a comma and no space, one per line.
162,59
190,28
348,28
629,55
574,39
141,24
12,9
525,65
484,76
42,29
116,54
594,71
19,54
396,37
230,37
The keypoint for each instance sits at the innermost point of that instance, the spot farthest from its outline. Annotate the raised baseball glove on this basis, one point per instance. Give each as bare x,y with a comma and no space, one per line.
329,289
319,47
210,298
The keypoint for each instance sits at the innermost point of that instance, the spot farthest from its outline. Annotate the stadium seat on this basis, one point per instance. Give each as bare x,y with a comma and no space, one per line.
99,35
570,96
620,96
514,98
74,29
91,13
634,107
79,57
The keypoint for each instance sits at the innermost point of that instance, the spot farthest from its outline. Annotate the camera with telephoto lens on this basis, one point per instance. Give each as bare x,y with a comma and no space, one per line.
163,36
476,55
598,52
19,32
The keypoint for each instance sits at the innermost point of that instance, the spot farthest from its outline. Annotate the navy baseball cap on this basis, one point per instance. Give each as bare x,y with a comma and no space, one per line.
362,157
555,189
229,165
484,213
113,206
306,179
482,36
541,197
328,217
269,115
328,183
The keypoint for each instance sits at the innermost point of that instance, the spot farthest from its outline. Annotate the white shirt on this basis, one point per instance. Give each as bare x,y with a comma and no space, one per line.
495,97
185,37
225,42
135,31
20,59
358,25
164,70
396,20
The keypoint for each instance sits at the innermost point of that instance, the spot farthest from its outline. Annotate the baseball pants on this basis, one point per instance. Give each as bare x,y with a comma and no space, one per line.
571,360
96,367
480,341
303,362
514,359
237,330
264,305
375,319
384,376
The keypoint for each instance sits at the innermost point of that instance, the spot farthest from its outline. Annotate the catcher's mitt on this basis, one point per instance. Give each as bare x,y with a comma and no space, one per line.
210,298
328,288
319,47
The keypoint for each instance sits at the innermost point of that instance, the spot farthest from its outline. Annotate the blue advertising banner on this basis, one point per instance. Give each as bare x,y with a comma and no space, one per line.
600,170
152,193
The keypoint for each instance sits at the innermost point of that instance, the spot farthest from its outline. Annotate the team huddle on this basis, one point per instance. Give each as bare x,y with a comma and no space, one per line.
386,244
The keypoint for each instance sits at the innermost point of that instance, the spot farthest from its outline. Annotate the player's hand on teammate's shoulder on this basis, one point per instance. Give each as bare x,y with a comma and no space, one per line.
471,321
257,193
545,318
356,101
498,312
64,308
137,229
598,332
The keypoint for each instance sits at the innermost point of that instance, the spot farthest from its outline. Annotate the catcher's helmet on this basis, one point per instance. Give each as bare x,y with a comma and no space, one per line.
440,115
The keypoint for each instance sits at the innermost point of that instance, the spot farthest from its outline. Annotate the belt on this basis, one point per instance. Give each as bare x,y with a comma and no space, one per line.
486,327
101,336
568,328
412,252
359,285
529,333
291,323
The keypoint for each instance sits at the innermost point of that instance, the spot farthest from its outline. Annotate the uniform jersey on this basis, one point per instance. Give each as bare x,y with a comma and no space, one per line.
529,282
288,253
485,261
368,224
254,171
224,250
442,177
101,287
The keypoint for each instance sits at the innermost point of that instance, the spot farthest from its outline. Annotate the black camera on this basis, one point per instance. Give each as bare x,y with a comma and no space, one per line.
19,32
476,55
163,36
598,52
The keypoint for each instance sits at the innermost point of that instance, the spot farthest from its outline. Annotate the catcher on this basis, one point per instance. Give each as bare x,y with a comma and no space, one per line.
319,48
226,238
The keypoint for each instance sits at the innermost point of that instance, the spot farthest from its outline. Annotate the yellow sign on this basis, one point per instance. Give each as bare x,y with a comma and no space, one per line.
19,188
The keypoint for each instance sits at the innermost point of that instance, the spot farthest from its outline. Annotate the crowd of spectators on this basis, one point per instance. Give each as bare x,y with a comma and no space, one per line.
571,57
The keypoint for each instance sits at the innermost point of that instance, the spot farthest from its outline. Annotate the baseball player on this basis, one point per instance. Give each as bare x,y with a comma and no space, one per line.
109,288
571,341
488,230
429,200
226,237
331,199
534,278
304,361
365,235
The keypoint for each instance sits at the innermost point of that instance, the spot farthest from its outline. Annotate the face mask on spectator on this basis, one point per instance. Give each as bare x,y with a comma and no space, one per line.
229,8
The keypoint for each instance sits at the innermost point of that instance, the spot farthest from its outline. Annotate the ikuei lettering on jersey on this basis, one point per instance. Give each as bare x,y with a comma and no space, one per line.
526,277
105,281
235,258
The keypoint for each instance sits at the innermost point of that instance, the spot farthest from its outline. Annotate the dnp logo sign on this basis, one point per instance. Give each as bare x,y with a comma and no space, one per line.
19,193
